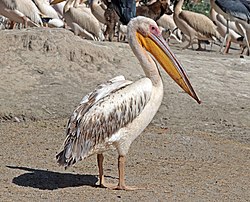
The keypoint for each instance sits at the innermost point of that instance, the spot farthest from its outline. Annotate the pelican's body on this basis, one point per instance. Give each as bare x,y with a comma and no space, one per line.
167,22
59,8
109,113
172,31
98,8
21,11
231,30
46,9
194,25
80,19
115,113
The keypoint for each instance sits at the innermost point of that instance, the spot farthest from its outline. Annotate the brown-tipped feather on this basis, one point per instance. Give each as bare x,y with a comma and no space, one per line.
94,121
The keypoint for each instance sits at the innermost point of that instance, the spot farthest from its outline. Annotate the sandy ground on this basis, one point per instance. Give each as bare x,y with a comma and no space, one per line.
189,152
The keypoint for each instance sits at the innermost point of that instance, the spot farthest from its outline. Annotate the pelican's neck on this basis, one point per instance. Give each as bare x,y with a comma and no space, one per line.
212,14
78,3
178,6
212,3
68,5
148,64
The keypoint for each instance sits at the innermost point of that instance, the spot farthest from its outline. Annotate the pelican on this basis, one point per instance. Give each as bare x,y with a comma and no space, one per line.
194,25
225,28
171,30
116,112
46,9
81,20
21,11
98,8
59,8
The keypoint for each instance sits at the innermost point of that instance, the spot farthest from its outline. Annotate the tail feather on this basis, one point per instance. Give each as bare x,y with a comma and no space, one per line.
73,151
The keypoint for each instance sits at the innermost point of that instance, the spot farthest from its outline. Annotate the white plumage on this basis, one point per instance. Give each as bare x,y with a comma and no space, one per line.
21,11
116,112
46,9
81,20
102,113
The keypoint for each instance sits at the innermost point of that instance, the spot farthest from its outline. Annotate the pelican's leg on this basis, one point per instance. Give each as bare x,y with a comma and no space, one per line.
243,30
100,167
121,168
199,46
245,35
226,50
12,25
189,44
25,21
102,183
226,37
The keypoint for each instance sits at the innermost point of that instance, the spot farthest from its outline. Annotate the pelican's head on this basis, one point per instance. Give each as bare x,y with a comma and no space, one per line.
148,35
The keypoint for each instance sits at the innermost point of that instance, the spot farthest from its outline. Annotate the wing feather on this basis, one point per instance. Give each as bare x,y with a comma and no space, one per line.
100,115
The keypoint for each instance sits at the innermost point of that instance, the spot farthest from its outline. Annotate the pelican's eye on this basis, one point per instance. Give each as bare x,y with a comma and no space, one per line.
154,30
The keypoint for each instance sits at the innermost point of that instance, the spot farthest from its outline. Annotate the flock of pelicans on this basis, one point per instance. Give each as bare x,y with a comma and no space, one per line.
98,19
116,112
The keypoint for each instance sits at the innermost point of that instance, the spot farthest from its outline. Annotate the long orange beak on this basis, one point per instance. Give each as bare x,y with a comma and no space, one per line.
158,47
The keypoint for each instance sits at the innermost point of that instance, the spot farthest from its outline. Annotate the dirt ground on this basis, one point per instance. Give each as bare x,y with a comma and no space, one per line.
189,152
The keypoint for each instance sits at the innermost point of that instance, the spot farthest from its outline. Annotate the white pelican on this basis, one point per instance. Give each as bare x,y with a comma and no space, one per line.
98,8
21,11
46,9
116,112
170,28
59,8
80,19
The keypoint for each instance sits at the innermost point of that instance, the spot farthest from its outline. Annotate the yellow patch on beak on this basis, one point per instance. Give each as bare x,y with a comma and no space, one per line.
157,46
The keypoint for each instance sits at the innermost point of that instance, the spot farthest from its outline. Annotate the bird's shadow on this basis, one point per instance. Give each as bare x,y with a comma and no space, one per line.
49,180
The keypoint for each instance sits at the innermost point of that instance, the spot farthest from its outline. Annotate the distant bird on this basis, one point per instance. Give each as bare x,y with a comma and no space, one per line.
225,27
53,23
235,10
81,20
21,11
167,22
122,32
126,9
170,29
116,112
59,8
46,9
194,25
98,8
